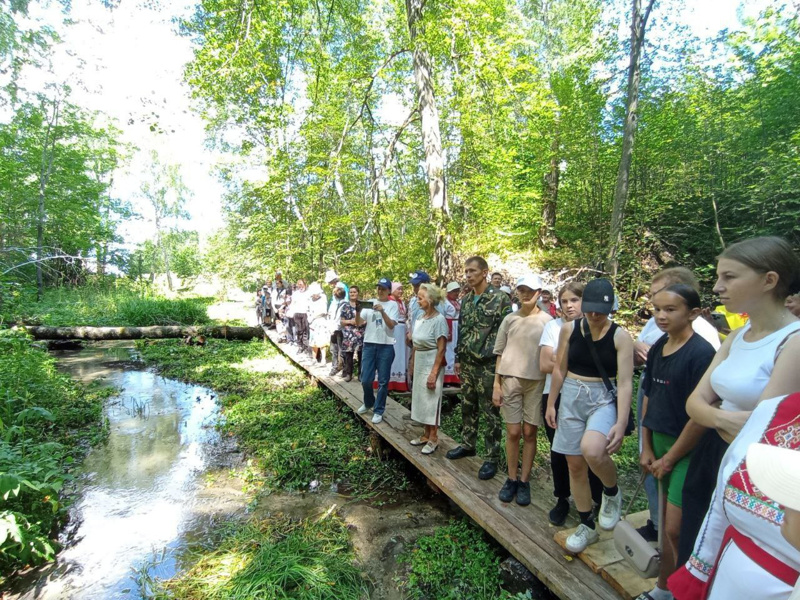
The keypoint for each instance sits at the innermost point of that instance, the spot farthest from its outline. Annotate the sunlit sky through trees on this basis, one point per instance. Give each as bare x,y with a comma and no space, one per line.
127,62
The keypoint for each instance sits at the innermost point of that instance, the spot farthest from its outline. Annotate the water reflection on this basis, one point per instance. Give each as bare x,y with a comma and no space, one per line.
140,491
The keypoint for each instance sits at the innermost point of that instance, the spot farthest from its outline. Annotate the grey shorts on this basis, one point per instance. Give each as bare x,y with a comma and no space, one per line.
585,406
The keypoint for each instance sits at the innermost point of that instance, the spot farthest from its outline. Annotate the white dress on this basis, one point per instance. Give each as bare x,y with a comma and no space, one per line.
426,404
319,334
742,523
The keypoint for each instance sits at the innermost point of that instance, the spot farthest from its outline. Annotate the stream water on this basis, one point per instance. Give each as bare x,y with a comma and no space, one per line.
143,494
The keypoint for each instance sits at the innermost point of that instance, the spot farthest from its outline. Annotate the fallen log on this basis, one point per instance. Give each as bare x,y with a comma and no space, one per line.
137,333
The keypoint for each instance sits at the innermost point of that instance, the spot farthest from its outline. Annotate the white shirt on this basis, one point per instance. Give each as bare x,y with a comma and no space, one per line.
377,332
300,302
650,334
550,338
741,378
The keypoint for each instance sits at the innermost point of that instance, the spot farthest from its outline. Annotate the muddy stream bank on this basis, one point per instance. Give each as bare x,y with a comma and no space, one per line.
165,478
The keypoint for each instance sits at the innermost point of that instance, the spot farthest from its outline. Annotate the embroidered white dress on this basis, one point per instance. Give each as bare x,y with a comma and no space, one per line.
739,504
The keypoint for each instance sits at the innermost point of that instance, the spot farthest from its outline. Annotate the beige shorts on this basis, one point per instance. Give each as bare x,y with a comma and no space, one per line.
522,400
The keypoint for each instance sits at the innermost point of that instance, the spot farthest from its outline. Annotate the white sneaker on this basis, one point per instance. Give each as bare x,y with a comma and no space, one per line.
363,409
376,418
581,538
610,511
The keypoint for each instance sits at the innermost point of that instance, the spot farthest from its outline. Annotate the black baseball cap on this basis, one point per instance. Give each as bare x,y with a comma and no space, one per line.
598,296
384,283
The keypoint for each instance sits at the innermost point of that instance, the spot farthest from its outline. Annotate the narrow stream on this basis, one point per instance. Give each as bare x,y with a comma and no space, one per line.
144,494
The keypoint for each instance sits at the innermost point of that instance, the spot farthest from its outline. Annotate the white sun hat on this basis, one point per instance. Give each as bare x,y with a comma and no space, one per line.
330,275
531,281
776,472
453,286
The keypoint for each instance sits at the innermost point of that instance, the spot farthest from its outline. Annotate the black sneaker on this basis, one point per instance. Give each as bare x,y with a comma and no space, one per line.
558,515
648,531
524,493
509,490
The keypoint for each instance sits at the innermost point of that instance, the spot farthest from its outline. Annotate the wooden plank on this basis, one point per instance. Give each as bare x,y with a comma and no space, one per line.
604,560
524,531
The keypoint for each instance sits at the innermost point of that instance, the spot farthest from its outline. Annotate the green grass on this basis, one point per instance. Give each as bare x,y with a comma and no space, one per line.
106,306
47,422
455,562
296,432
308,559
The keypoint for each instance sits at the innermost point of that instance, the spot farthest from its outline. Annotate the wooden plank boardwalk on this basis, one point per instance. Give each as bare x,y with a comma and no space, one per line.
524,531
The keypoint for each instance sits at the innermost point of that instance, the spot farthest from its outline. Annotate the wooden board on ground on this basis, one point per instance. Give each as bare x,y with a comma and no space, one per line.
603,559
524,531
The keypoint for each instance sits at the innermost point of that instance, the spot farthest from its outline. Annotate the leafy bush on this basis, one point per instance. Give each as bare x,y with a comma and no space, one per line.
455,562
275,558
46,422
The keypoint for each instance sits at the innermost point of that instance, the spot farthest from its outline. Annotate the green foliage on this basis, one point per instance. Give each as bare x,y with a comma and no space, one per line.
108,305
46,422
455,562
531,110
296,432
309,559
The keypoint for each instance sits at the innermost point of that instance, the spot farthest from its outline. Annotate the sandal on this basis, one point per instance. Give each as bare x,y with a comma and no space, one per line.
420,441
430,447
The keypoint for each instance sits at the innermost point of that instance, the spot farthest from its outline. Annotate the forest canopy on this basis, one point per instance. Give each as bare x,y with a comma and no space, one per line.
323,99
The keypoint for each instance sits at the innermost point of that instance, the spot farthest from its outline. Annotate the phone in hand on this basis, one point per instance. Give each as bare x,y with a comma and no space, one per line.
364,304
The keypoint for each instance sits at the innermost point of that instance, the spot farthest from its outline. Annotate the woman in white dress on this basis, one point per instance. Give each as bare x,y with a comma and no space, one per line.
319,332
398,379
741,553
429,339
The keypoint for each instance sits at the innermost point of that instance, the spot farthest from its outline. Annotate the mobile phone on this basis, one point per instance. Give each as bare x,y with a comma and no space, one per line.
364,304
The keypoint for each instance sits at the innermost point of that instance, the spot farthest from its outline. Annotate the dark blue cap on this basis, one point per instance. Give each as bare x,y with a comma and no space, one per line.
418,277
384,283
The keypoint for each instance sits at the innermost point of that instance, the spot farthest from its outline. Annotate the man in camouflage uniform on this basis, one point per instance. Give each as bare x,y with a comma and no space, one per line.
482,311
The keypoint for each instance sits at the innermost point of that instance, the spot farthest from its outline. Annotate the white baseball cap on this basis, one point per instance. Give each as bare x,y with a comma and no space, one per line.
453,286
776,472
506,289
531,281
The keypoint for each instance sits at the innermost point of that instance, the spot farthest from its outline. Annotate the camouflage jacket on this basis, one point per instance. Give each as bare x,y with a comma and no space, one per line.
478,324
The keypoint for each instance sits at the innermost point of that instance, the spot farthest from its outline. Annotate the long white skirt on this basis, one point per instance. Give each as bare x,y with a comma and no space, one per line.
426,405
398,380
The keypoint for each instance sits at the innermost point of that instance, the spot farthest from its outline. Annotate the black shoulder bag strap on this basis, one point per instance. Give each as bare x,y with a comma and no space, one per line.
587,335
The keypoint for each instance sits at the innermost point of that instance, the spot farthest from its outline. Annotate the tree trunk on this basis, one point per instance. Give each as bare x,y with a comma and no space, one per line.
638,25
431,141
136,333
40,244
546,235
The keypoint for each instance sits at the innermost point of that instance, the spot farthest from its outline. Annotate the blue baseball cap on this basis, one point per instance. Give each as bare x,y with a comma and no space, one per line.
418,277
384,283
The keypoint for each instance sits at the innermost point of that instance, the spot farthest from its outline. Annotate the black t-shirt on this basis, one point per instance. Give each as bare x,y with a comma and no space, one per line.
669,380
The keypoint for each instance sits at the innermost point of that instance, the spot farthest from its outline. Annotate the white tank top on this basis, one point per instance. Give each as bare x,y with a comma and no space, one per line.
740,379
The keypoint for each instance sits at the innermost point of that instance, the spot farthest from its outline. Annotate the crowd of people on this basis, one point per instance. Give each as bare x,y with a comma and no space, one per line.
717,404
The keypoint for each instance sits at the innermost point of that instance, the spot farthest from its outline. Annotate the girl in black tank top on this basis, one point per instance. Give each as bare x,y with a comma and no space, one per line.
590,425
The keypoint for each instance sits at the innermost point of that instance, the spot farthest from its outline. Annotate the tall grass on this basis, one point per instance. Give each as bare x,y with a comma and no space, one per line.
110,306
276,558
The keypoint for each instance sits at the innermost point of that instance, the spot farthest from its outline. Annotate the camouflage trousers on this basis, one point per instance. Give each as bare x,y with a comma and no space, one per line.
477,382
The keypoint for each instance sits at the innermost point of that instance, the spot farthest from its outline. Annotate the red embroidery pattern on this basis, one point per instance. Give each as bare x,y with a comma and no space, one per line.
783,431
